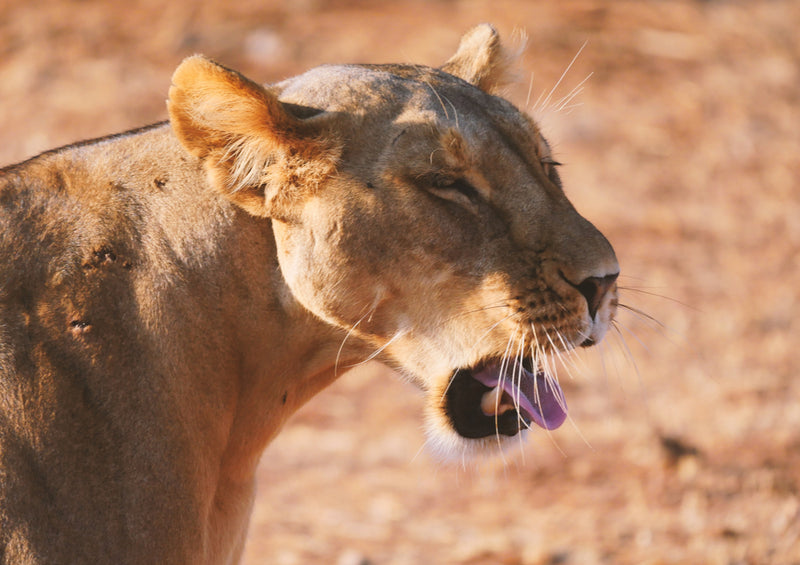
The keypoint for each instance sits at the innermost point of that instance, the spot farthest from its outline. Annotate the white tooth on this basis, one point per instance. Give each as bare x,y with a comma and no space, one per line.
495,402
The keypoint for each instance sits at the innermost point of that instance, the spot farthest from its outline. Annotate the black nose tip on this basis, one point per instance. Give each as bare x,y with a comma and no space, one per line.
594,290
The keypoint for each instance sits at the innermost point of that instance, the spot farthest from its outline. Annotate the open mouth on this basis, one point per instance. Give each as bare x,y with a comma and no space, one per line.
503,398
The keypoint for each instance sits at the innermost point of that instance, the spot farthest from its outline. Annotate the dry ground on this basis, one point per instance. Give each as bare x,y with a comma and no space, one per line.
683,147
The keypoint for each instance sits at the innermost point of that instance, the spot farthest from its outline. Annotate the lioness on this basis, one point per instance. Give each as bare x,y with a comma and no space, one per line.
170,295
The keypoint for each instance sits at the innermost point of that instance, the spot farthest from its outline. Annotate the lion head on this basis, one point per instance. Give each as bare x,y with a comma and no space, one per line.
423,215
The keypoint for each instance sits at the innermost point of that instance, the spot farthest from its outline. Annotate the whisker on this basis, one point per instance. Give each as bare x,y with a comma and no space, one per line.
441,102
578,431
455,112
380,350
568,109
561,78
481,338
601,349
492,327
501,376
420,450
567,355
501,304
619,325
553,379
628,354
565,100
444,108
672,335
543,361
516,374
530,90
520,358
562,401
348,334
550,372
535,343
449,384
657,295
536,105
643,315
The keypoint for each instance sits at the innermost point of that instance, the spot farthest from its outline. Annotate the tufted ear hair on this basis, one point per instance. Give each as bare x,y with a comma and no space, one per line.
482,60
255,150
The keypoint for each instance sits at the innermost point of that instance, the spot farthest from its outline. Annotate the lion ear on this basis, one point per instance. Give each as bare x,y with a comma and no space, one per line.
256,151
482,60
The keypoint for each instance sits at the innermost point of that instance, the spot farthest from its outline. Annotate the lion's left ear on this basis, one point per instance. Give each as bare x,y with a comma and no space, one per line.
256,151
482,60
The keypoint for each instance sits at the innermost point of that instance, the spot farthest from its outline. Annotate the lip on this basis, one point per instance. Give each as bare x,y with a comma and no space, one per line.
520,397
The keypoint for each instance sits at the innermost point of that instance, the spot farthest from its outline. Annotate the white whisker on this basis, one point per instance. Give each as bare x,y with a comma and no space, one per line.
572,361
619,325
657,295
530,90
455,112
561,78
420,450
341,346
501,376
444,108
564,101
380,350
672,335
520,360
568,109
628,354
480,339
601,348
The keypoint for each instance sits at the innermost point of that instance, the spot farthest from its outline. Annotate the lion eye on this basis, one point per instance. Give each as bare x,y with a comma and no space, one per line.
458,185
549,165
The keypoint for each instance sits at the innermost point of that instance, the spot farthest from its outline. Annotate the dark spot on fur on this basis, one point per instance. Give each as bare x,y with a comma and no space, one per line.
284,397
370,185
103,257
159,182
77,327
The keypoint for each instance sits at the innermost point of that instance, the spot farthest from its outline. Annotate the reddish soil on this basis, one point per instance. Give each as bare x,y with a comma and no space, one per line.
683,147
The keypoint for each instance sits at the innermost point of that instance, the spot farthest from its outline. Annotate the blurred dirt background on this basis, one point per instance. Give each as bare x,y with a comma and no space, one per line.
683,147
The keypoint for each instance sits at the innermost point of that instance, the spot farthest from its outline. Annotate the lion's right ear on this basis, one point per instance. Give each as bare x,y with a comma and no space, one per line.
255,151
482,60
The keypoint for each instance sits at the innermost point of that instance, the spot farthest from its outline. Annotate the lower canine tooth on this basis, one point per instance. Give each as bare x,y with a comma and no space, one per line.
492,403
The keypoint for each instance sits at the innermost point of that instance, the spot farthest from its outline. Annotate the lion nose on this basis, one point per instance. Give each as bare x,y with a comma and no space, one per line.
594,289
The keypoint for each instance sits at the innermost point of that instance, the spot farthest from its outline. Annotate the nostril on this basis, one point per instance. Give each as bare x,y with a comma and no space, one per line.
594,290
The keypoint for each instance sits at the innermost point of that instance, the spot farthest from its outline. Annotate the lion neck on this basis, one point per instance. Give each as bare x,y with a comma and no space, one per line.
218,333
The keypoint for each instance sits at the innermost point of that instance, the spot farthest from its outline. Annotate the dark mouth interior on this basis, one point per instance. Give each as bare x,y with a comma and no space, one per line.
463,407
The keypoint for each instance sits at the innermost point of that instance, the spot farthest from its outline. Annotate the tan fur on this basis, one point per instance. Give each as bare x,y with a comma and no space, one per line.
169,296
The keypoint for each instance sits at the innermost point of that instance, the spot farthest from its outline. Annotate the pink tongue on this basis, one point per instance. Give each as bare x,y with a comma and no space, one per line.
539,399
